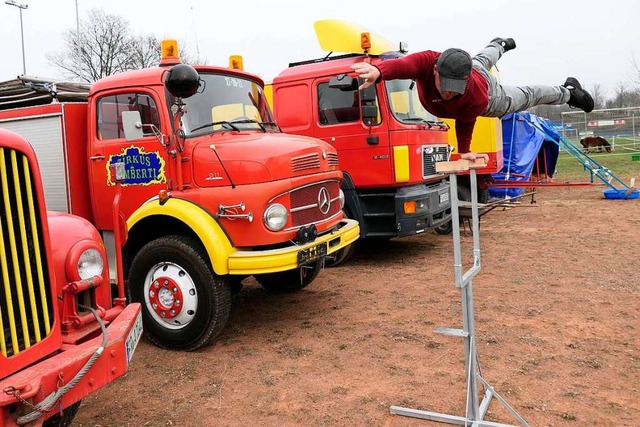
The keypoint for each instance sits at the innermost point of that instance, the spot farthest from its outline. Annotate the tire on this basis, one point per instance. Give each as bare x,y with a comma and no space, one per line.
342,255
185,305
464,194
64,420
291,280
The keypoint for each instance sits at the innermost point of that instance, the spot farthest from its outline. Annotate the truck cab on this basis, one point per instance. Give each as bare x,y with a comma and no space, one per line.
387,142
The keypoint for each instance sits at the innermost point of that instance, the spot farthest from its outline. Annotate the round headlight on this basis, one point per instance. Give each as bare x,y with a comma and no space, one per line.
275,217
341,199
90,264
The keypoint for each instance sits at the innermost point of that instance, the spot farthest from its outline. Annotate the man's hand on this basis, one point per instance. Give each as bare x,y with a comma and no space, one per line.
474,156
368,72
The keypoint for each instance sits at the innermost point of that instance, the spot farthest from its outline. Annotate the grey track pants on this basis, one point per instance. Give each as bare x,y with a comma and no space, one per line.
510,99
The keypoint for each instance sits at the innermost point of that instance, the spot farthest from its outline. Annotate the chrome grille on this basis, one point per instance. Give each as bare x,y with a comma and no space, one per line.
431,154
332,159
26,314
308,161
305,208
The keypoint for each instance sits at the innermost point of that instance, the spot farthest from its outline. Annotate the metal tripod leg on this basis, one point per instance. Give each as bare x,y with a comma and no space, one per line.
475,410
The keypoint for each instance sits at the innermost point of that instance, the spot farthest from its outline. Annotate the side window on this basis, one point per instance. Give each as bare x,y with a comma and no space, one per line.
337,106
110,110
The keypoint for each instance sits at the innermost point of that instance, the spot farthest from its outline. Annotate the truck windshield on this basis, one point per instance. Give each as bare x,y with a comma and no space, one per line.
225,103
405,104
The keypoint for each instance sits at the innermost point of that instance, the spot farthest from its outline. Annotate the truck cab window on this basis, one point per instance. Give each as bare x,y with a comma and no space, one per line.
337,106
224,103
110,110
405,104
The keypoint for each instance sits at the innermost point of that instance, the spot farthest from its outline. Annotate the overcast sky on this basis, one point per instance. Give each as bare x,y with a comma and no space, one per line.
594,41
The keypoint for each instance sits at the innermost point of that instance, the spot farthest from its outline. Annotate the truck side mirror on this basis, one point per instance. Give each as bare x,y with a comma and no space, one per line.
368,94
343,82
132,125
369,112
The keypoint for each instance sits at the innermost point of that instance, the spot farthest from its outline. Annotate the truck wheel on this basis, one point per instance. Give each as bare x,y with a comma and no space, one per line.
185,305
64,420
291,280
464,194
342,255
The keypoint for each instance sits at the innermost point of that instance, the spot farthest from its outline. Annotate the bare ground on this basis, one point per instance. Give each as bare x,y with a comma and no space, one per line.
556,323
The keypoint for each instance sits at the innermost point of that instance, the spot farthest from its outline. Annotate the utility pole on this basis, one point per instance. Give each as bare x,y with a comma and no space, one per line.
20,6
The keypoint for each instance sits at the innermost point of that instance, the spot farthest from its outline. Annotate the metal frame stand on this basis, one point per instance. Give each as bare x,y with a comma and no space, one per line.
475,410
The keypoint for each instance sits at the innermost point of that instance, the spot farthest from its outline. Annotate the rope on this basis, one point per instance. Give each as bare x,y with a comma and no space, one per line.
47,403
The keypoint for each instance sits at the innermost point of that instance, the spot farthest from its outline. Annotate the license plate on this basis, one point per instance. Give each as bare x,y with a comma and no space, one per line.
444,198
133,338
309,255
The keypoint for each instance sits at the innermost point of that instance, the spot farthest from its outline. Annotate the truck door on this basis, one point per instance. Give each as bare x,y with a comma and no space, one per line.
145,159
364,150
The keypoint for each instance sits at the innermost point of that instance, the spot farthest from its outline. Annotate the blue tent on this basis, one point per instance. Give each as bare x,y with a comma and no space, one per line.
525,139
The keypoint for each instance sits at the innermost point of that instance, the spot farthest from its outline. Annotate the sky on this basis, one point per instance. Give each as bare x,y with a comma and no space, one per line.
594,41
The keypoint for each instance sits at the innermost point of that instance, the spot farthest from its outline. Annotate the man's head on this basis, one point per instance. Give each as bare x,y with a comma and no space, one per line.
453,69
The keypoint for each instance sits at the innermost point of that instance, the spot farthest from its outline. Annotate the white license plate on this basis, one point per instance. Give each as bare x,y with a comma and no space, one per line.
444,198
133,338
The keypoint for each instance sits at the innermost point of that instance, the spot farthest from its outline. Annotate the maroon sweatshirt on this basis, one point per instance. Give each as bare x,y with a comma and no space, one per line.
464,108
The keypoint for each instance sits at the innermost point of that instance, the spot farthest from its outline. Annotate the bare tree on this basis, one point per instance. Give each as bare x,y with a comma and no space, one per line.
145,52
105,46
598,96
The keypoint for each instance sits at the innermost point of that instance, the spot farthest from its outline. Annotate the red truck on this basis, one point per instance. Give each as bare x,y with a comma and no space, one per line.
63,333
213,192
387,142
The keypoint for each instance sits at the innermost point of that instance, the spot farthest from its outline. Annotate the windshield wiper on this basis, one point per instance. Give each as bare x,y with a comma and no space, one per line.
250,121
221,122
429,123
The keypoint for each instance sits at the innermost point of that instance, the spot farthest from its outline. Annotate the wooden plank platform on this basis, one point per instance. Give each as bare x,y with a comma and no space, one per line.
461,165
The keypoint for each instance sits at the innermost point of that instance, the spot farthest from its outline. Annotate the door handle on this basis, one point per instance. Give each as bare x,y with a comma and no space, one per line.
97,157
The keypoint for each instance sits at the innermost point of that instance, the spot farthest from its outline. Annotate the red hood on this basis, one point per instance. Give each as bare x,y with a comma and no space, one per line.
255,157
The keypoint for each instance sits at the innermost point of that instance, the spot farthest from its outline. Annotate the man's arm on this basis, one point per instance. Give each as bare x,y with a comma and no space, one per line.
409,67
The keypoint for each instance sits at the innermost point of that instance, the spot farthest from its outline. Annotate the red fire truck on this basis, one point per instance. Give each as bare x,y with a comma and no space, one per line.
63,334
213,191
387,142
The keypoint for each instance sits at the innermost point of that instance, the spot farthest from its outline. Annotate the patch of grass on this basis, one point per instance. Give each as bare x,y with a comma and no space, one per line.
568,416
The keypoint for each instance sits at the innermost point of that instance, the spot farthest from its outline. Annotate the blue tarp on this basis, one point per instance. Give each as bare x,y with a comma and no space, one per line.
525,138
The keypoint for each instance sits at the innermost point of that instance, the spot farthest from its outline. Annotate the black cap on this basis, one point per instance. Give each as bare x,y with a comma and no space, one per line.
454,68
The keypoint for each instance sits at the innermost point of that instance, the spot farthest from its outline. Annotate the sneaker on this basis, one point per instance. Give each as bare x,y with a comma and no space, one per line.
580,98
507,44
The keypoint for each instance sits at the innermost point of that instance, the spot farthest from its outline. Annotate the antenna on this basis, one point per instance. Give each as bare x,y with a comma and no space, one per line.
195,32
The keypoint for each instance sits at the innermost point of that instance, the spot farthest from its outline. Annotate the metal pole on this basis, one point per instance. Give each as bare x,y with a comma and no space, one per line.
24,63
20,6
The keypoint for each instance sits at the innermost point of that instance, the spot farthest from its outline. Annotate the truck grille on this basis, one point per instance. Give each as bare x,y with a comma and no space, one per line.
26,314
431,154
308,203
308,161
332,159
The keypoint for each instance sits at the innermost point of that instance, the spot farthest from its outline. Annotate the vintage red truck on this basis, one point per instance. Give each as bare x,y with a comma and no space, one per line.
214,192
387,142
63,333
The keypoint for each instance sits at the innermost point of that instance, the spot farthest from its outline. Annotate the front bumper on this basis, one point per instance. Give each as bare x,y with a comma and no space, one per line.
36,382
275,260
436,211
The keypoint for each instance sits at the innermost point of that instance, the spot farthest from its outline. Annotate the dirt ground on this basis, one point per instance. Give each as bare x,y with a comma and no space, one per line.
556,325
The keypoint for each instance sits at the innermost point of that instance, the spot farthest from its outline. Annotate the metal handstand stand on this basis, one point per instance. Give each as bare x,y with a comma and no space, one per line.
475,410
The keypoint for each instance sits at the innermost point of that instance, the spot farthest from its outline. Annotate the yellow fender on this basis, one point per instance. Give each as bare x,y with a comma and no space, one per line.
201,222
